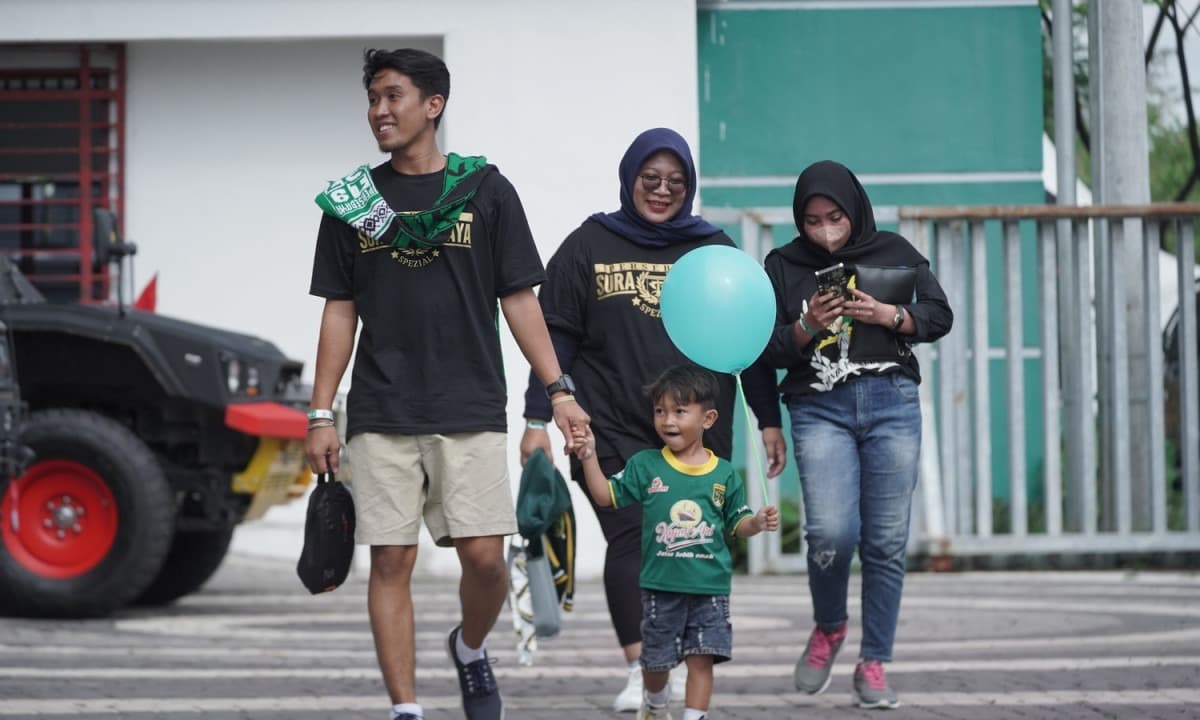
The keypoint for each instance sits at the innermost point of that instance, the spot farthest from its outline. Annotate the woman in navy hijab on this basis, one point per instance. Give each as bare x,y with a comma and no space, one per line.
600,300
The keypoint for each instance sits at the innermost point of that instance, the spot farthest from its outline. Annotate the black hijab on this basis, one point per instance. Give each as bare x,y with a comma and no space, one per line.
628,222
835,181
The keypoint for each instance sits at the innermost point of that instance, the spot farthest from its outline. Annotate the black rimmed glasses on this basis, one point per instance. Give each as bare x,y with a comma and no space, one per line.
651,182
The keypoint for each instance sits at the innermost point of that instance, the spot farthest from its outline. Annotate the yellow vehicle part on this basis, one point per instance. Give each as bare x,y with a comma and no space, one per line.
277,473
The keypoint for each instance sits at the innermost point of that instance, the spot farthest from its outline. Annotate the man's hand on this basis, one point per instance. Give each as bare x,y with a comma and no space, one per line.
322,447
776,448
570,417
531,440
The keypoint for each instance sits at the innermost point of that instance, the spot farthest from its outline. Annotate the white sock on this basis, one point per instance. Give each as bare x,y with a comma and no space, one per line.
468,655
693,714
635,665
411,708
660,698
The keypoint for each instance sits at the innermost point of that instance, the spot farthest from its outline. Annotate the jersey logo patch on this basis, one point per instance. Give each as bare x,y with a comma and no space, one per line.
718,495
656,486
415,257
685,514
418,257
640,279
686,529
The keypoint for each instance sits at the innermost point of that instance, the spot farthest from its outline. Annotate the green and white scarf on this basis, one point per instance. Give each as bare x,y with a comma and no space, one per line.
355,200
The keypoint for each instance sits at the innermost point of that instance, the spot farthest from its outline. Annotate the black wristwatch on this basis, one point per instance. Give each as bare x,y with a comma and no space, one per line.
563,384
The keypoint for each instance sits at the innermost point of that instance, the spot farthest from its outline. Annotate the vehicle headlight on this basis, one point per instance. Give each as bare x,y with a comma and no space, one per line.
252,381
241,377
233,375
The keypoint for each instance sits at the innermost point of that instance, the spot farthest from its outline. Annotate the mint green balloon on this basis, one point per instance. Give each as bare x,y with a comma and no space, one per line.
718,307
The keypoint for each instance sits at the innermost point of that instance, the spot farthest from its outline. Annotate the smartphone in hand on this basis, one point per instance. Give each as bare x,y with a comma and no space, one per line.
835,278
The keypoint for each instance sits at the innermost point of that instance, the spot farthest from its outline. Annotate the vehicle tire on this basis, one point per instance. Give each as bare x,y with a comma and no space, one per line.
85,529
192,560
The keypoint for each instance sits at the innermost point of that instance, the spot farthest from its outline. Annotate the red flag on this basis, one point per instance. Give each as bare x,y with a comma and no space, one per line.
148,298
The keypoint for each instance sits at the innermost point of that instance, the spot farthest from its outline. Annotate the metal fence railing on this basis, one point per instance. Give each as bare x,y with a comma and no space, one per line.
1055,421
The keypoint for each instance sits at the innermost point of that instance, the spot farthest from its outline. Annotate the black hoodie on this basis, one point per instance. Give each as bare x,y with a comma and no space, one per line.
791,269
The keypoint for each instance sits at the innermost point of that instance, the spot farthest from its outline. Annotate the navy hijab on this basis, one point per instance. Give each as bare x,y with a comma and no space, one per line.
628,222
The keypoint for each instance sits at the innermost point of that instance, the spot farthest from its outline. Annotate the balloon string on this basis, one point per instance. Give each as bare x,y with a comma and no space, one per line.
752,449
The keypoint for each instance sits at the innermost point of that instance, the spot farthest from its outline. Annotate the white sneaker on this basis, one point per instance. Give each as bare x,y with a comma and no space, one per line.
630,699
646,711
678,682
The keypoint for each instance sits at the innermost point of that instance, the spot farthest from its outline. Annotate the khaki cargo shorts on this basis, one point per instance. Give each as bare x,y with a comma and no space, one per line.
458,483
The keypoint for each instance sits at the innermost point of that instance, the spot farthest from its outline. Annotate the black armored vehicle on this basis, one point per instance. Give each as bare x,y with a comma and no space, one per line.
151,439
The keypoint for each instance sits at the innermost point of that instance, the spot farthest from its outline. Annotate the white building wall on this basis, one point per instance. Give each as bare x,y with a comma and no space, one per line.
239,112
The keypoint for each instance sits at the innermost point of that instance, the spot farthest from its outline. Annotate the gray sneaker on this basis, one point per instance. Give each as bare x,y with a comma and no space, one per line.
481,697
871,687
814,667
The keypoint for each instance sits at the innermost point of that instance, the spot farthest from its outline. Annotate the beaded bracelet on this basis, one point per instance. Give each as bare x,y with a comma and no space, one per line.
314,426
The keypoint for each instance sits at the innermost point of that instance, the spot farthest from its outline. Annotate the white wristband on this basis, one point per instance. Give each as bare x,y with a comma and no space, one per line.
320,415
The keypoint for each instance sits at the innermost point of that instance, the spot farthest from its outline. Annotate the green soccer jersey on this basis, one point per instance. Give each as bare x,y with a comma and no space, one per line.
689,514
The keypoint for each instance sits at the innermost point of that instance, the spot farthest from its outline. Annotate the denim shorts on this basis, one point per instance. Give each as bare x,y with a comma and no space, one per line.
675,625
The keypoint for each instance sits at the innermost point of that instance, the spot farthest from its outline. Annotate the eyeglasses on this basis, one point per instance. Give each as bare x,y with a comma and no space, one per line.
651,182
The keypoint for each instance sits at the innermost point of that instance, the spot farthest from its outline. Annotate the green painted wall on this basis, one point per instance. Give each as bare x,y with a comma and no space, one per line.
901,91
893,94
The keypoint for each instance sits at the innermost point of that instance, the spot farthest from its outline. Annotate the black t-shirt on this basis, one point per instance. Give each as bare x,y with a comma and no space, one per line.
604,290
428,358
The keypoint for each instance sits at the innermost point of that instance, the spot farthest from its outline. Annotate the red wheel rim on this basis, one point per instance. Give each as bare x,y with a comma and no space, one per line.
59,519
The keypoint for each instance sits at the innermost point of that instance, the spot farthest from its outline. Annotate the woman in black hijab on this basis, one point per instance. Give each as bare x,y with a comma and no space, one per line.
851,391
600,300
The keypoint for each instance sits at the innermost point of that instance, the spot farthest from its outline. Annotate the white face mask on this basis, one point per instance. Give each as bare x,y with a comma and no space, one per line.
830,235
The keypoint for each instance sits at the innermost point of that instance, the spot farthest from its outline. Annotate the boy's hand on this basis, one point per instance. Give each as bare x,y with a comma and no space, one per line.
767,518
584,441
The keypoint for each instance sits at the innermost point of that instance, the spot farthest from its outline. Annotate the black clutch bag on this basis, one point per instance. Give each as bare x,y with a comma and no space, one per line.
328,536
891,285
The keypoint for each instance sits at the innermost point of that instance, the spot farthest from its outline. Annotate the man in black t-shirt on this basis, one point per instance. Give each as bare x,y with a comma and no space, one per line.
422,249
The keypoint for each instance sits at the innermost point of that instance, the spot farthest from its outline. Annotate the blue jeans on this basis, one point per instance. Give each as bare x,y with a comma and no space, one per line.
856,450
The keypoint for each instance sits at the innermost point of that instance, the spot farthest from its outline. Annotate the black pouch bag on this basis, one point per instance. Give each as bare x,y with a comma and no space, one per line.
328,536
892,285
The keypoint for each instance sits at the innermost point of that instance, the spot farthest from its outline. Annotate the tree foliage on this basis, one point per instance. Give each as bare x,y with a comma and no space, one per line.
1174,142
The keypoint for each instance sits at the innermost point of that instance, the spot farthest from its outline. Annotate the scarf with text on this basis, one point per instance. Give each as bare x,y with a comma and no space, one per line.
354,200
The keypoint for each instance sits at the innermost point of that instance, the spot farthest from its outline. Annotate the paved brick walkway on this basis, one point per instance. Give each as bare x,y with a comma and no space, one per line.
979,645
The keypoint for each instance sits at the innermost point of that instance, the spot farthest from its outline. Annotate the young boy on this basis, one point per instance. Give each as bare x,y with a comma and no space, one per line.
693,503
